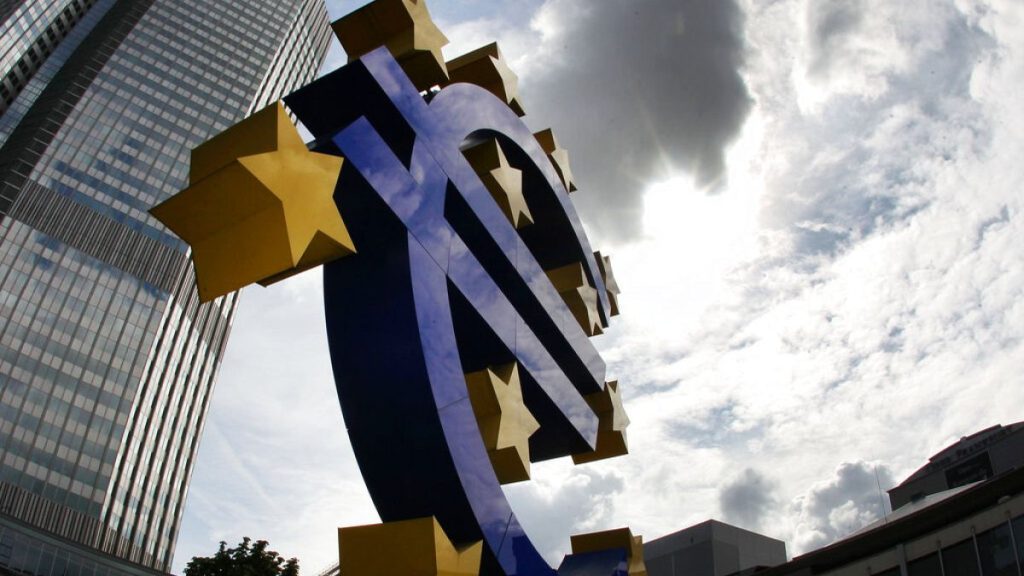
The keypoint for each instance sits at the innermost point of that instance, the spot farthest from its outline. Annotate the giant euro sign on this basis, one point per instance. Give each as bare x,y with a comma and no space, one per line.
459,287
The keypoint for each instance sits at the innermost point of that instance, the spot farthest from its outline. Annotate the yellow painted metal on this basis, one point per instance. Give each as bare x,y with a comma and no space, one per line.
559,157
617,538
487,68
573,286
408,548
604,264
406,28
260,206
505,422
612,423
504,182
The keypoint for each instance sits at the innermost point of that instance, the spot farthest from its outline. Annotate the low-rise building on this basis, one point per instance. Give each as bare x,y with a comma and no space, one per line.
711,548
972,530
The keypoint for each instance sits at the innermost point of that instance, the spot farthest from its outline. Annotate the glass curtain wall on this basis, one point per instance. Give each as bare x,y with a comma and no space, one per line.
994,552
107,360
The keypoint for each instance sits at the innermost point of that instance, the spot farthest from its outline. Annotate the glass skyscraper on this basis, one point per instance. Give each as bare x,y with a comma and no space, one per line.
107,359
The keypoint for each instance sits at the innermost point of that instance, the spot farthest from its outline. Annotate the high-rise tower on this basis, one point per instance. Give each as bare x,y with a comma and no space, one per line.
107,359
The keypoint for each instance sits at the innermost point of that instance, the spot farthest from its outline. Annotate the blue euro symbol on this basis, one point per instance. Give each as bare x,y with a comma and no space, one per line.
443,285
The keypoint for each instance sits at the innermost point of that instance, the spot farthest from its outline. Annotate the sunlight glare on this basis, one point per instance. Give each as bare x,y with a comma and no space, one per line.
693,240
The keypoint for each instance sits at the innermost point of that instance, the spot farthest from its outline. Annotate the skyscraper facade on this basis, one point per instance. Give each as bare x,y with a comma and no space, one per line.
107,359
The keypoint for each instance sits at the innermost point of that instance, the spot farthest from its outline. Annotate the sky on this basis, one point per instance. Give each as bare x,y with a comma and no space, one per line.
810,208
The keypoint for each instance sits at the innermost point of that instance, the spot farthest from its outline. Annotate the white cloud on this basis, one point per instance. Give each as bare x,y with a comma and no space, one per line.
560,501
856,48
852,498
881,301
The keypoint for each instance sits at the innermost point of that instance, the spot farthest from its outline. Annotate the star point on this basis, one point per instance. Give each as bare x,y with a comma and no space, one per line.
408,31
612,424
486,67
621,538
559,158
504,182
505,421
611,286
260,206
417,546
572,285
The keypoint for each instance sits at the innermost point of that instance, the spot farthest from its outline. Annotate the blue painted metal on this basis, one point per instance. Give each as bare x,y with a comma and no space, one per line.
442,285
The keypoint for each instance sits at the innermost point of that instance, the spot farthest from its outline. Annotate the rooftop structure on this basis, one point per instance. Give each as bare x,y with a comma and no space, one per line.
982,455
711,548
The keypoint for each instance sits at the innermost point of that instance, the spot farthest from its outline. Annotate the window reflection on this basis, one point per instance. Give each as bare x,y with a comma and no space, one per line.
995,551
25,555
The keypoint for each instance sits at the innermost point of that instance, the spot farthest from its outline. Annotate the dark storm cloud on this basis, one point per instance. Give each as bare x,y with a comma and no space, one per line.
637,90
848,501
747,500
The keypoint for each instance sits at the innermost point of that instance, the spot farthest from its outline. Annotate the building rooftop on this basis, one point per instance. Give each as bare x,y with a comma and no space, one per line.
711,548
914,521
964,448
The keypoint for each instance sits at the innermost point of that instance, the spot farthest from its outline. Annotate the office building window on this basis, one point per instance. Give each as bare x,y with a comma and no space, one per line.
995,551
960,559
106,357
1018,536
927,566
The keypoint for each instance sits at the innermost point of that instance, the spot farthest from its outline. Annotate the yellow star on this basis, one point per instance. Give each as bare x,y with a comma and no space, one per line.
406,28
612,423
505,422
618,538
559,157
604,264
260,206
572,285
486,67
504,182
418,546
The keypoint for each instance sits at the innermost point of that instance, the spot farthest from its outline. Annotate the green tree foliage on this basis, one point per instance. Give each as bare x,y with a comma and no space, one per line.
247,559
